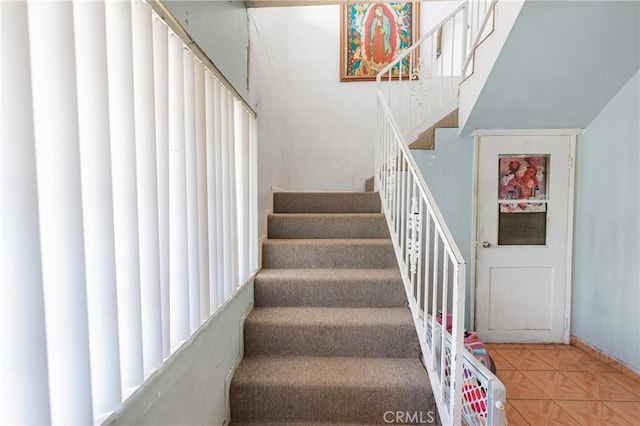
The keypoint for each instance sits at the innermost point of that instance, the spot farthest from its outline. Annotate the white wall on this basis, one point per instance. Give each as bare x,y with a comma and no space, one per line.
327,125
314,132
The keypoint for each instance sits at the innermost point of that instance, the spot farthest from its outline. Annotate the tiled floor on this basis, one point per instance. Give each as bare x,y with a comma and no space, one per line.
563,385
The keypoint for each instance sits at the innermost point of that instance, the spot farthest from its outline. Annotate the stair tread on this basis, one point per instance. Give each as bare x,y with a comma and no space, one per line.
330,215
329,241
330,274
330,316
327,225
347,372
330,287
326,202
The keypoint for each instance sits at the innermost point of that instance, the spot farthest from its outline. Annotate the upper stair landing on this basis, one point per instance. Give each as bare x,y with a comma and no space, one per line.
560,65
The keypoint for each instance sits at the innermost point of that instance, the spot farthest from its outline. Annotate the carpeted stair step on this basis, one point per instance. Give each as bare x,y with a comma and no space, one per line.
327,225
326,202
328,253
340,288
341,332
328,389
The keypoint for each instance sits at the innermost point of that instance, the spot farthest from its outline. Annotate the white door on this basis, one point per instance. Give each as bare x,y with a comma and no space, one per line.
525,198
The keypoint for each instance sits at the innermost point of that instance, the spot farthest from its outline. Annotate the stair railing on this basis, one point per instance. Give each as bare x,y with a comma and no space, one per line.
421,84
414,91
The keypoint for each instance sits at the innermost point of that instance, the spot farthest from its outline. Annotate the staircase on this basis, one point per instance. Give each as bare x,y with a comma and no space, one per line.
330,339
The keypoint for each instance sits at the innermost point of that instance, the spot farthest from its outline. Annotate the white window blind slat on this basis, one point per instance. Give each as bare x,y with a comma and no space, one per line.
233,196
51,39
220,198
201,169
125,197
24,392
97,201
192,190
226,206
212,185
178,246
144,109
160,81
253,170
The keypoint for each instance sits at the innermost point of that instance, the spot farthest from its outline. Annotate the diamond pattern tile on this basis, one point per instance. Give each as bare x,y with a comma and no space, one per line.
523,359
564,385
557,386
519,386
594,413
599,386
630,411
543,412
514,418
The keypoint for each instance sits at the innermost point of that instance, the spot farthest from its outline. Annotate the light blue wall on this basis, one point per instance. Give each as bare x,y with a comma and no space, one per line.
221,30
190,388
606,275
561,64
448,171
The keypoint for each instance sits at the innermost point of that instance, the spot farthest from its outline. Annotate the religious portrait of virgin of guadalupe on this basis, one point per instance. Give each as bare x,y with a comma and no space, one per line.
380,36
373,35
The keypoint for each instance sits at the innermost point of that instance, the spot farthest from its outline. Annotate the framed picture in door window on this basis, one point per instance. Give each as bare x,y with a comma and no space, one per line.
522,181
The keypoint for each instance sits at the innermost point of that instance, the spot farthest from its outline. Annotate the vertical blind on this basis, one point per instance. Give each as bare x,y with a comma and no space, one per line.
128,175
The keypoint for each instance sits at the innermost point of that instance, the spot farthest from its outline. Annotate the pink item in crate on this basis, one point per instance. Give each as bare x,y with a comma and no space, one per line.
472,343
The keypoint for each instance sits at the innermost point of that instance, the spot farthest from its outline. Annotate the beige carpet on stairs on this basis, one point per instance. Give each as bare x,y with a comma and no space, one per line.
330,340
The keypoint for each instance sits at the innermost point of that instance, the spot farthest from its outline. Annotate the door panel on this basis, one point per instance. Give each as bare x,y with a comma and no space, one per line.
522,233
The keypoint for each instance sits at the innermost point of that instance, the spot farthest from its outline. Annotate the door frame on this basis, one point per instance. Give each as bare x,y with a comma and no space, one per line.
473,262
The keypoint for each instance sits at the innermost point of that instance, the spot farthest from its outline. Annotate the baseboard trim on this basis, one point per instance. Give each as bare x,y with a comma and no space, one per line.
605,357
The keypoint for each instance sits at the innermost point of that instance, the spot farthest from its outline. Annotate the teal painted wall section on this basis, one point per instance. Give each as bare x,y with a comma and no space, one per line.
561,64
606,275
190,388
221,29
448,171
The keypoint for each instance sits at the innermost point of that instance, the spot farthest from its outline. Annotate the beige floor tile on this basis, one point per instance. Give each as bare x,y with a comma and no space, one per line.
623,381
523,359
557,386
630,411
519,386
592,413
549,346
599,386
514,418
501,363
543,412
506,345
566,360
